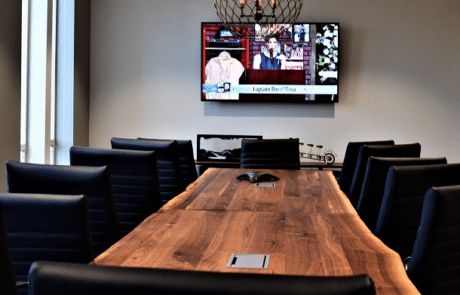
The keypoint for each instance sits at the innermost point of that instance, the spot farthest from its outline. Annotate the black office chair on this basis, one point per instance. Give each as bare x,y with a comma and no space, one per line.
7,280
396,151
402,202
171,181
94,182
373,187
270,154
49,227
186,157
62,278
434,266
349,162
134,177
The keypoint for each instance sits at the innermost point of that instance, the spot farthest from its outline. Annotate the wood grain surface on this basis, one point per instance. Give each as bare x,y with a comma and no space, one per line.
305,223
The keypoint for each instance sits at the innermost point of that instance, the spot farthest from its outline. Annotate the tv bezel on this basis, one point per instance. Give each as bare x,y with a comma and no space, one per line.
281,98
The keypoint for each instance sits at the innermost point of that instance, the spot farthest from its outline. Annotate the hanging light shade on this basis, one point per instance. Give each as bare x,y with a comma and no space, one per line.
271,17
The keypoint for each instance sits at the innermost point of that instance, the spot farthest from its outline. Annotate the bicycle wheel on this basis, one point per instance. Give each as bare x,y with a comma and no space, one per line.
329,158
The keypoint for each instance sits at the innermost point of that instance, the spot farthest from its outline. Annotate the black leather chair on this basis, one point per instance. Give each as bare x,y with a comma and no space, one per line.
396,151
373,187
402,202
270,154
46,227
171,181
7,280
61,278
186,158
434,266
349,162
94,182
134,177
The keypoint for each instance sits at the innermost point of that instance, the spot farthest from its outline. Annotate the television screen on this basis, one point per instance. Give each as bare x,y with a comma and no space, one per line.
301,65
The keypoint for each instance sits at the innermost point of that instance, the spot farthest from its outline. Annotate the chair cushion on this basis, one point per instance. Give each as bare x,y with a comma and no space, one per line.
399,150
7,281
63,278
186,157
134,177
94,182
373,187
402,202
171,181
349,162
51,227
434,264
270,153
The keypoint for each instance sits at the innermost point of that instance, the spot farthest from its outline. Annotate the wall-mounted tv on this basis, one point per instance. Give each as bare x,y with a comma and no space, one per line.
301,65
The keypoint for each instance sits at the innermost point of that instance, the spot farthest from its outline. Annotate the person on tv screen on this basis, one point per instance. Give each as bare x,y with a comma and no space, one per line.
299,33
270,59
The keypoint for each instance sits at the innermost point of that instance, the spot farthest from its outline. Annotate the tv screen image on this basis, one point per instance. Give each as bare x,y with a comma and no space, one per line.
216,147
301,65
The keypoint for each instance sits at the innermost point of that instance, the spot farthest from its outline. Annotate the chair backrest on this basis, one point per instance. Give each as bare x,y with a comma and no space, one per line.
349,162
134,178
186,157
375,177
62,278
7,281
171,181
434,264
270,153
49,227
402,202
94,182
396,151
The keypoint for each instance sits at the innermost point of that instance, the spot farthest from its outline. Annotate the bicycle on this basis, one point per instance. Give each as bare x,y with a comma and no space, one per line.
325,155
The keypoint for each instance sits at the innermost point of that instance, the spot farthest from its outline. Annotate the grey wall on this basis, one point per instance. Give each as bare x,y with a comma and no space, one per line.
10,84
81,73
400,67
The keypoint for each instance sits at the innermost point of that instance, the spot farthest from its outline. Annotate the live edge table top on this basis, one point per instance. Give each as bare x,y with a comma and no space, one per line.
305,223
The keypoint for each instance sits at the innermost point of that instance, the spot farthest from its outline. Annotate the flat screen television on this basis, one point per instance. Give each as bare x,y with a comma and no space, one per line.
301,65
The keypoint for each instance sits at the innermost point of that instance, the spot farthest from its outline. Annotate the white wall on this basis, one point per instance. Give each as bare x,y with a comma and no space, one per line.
400,72
10,84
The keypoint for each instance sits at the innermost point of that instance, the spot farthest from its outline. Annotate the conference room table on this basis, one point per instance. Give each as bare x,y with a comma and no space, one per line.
305,223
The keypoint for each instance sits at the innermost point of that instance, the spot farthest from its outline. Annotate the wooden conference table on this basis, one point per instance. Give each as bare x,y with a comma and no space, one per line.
305,223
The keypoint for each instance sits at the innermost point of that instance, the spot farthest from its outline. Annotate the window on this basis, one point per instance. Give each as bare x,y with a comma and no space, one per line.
38,81
47,81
